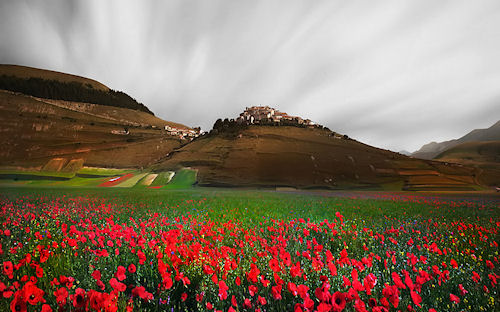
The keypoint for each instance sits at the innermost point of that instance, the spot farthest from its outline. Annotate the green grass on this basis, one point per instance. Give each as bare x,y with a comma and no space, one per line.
82,182
23,175
163,178
132,181
184,178
250,206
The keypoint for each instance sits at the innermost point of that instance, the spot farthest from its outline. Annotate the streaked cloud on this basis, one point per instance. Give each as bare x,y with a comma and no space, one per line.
394,74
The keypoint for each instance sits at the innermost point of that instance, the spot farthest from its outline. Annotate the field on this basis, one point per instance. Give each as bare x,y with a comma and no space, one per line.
143,249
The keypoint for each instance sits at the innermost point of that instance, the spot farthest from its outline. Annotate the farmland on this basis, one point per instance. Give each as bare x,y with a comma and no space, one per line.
212,249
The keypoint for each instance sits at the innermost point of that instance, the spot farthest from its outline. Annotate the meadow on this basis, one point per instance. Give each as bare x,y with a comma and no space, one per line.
113,249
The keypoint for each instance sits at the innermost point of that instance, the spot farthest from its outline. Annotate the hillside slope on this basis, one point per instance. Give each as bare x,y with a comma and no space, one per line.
478,151
31,72
36,131
433,149
484,155
303,157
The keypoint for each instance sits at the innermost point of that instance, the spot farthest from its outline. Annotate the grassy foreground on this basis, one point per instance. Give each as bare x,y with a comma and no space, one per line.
154,249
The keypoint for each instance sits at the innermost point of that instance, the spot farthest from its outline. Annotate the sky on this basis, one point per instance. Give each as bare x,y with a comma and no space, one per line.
392,74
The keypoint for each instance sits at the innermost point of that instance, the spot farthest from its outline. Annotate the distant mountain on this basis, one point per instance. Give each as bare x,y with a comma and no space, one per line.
59,86
433,149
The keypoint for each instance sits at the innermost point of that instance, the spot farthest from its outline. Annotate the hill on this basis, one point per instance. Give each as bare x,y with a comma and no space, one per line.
433,149
288,156
36,131
26,72
58,132
58,86
479,151
484,155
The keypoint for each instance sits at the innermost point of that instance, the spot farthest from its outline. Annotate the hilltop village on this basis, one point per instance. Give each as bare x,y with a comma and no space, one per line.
265,115
254,115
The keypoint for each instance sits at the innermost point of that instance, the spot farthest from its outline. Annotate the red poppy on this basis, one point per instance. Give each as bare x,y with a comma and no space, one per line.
33,294
247,304
223,290
39,271
274,265
18,304
360,306
397,280
276,291
463,292
79,298
117,285
308,303
233,301
302,290
323,307
46,308
322,294
110,301
416,298
261,300
142,257
454,298
392,294
120,273
338,301
408,280
132,268
167,281
490,265
8,269
476,277
295,270
292,288
252,289
253,275
454,263
61,296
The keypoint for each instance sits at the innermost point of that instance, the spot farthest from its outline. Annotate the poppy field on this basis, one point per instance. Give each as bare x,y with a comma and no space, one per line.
220,250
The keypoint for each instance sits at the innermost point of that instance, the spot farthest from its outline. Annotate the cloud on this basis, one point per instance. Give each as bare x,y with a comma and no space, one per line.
394,74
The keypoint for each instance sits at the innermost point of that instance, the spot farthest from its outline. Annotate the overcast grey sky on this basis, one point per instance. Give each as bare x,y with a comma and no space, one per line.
393,74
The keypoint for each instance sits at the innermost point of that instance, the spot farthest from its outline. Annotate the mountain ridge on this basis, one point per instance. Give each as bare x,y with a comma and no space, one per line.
433,149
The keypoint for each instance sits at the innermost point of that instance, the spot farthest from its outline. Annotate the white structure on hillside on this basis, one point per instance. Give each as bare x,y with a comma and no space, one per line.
182,133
